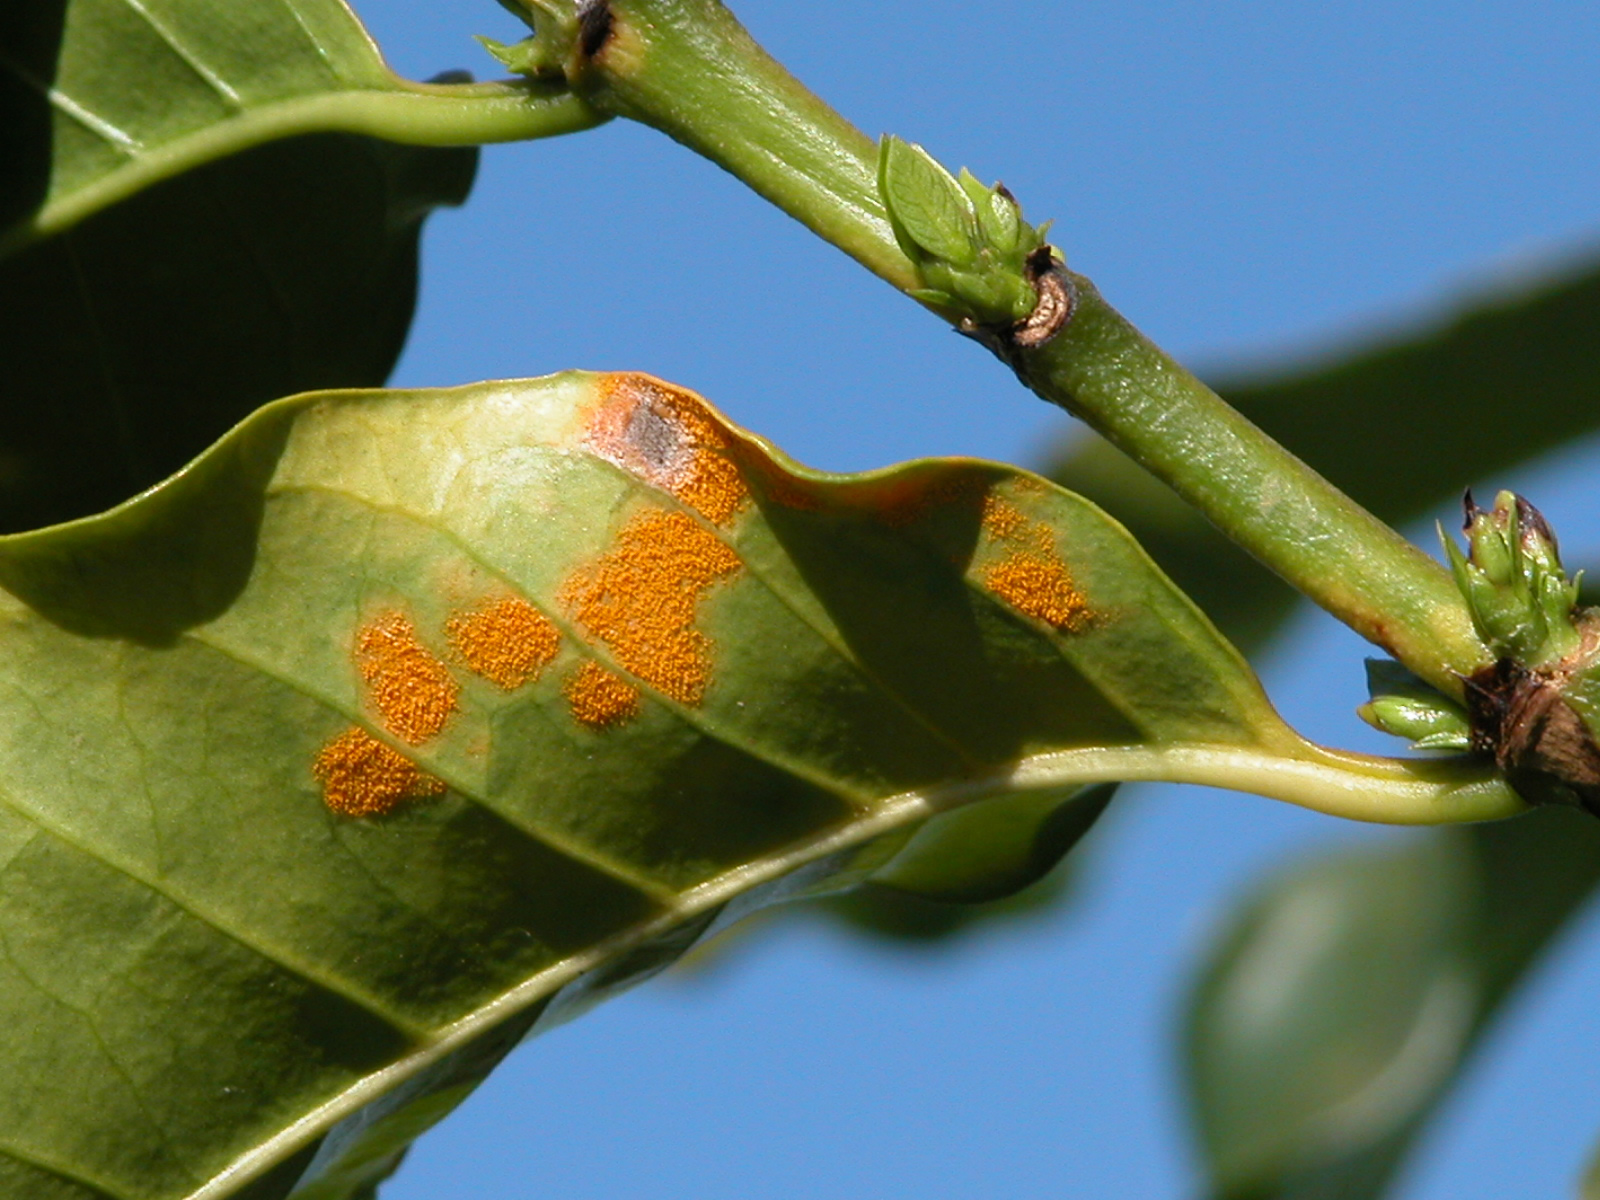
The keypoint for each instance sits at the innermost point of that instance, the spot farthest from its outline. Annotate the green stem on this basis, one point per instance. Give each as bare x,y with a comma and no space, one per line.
688,68
1105,371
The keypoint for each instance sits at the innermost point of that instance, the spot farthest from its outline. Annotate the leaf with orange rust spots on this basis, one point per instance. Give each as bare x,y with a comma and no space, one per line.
400,724
508,642
361,777
640,599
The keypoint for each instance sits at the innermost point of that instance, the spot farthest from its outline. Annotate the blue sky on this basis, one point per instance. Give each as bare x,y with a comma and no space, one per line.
1250,183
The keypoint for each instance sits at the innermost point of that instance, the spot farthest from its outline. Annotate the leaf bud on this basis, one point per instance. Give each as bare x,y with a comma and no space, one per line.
1521,600
1407,707
968,241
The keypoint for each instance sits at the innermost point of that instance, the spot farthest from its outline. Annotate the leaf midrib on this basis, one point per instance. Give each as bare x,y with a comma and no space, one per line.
1183,762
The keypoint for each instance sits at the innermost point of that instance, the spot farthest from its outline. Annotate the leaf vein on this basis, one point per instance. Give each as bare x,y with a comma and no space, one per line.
950,739
655,891
93,1026
190,59
90,120
276,955
37,1162
690,716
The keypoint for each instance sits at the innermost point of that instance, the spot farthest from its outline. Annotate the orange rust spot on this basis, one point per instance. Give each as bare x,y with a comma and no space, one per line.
667,437
1002,518
600,699
906,505
1040,586
361,777
1030,575
1005,521
642,597
412,689
508,642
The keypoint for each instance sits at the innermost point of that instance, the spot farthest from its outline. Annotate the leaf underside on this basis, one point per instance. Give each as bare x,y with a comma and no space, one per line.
403,724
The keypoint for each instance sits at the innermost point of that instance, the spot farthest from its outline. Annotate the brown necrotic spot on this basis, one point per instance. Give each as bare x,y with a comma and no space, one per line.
361,777
600,699
412,690
508,642
667,437
641,599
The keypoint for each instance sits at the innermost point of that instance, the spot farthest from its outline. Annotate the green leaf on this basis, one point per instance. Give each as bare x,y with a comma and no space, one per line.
994,849
1590,1187
1334,1014
100,99
399,717
1401,426
930,213
190,227
133,341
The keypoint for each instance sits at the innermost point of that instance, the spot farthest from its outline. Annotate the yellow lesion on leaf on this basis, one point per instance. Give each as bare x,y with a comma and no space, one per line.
411,688
508,642
1039,586
415,695
598,698
641,599
1003,519
362,777
667,437
1029,575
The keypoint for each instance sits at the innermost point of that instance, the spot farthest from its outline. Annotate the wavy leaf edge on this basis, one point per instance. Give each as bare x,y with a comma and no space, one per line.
1281,765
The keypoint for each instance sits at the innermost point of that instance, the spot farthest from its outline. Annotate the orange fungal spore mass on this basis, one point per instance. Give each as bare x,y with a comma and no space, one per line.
600,699
508,642
641,599
412,690
909,501
1039,586
1030,575
361,777
667,437
1002,518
